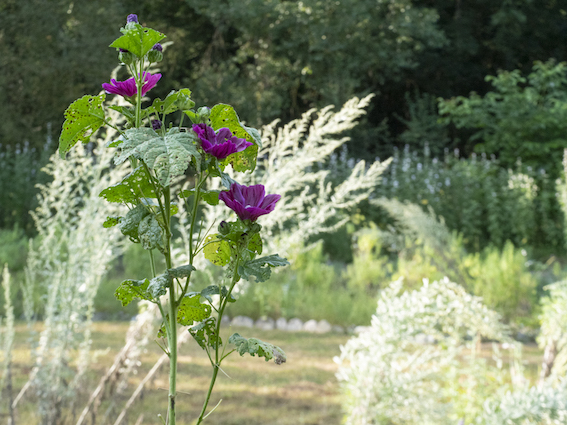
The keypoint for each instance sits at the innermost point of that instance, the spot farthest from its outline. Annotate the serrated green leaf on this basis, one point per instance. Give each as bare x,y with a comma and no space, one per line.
150,233
158,286
137,39
217,250
191,310
134,138
181,271
174,101
130,289
254,347
135,186
261,267
130,223
82,118
111,221
223,115
214,290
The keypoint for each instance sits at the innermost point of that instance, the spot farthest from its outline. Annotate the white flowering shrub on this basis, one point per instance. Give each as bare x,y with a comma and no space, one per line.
66,265
417,362
545,405
553,333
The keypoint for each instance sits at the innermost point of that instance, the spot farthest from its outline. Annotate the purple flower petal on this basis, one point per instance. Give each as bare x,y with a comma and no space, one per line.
128,88
249,202
132,18
220,144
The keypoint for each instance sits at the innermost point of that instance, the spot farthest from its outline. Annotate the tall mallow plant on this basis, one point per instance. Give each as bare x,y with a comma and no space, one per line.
161,154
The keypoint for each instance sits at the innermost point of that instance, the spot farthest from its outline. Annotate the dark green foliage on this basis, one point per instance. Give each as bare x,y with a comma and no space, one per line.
521,118
478,198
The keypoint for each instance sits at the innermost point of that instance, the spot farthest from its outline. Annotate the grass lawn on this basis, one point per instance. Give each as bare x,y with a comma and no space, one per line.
302,391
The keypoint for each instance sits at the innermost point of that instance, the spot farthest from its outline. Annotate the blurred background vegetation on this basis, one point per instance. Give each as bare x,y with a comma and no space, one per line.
470,101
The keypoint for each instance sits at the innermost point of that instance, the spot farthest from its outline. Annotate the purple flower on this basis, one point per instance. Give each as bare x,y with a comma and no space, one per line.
156,125
220,144
157,47
132,18
249,202
128,88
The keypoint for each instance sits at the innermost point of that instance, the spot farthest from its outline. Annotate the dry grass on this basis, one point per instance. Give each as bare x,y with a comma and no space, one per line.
302,391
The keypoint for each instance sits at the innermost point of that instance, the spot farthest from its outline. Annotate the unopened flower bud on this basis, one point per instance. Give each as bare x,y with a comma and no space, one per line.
184,102
224,228
156,55
156,125
125,57
132,18
203,113
255,228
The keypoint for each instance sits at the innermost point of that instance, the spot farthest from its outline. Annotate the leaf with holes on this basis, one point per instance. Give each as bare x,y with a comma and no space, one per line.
261,267
224,116
205,333
137,39
254,347
217,250
134,187
151,233
82,118
255,244
111,221
192,310
130,289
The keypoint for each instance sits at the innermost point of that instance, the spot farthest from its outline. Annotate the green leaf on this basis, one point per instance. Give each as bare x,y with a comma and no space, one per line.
168,156
158,286
261,267
129,224
217,250
151,233
137,39
254,347
205,334
135,186
181,271
255,244
130,289
223,115
173,102
211,197
131,140
82,118
111,221
191,310
214,290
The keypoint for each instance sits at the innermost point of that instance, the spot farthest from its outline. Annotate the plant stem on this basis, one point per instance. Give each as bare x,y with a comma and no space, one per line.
218,360
172,331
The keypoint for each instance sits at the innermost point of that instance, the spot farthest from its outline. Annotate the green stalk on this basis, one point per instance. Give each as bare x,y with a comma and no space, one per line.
172,334
218,360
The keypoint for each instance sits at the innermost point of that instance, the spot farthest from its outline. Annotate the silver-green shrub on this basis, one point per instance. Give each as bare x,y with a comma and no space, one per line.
416,363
